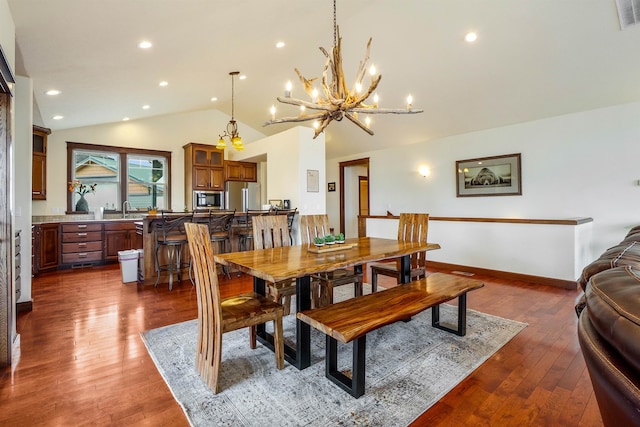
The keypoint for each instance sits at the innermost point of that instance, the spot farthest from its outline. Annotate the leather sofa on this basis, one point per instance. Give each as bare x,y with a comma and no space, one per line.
609,330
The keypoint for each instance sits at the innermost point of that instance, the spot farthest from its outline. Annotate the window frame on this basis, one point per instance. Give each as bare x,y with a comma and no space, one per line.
123,152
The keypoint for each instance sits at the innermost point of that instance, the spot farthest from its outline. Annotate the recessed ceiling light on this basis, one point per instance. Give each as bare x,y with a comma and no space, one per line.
53,92
146,107
242,77
280,45
58,117
163,84
125,119
145,44
214,99
471,37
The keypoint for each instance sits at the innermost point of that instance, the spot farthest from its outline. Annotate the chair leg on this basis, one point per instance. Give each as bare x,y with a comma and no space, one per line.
374,281
278,337
252,337
157,266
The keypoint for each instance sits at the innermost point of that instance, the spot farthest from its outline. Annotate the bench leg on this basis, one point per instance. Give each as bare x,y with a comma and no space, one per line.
462,317
354,385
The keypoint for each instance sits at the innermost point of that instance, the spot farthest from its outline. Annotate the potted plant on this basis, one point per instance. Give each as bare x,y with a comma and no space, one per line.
340,238
318,241
329,239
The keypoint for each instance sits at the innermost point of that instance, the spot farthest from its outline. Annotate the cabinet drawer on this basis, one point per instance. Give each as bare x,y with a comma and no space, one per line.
68,248
82,236
117,226
81,227
77,257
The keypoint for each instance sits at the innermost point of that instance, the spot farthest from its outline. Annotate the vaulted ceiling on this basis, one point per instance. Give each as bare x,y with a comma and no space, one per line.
533,59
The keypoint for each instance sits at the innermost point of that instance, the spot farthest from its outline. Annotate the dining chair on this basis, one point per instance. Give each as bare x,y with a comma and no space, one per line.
217,316
272,231
245,230
413,227
322,284
291,215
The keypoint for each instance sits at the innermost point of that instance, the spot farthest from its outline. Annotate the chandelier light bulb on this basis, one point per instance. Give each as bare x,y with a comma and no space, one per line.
376,99
314,94
287,89
316,124
358,87
372,70
302,109
367,121
273,112
409,102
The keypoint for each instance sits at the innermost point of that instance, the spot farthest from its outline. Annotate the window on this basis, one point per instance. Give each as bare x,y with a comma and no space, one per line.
147,172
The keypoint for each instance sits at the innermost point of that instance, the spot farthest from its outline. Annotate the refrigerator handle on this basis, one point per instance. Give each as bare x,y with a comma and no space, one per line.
245,199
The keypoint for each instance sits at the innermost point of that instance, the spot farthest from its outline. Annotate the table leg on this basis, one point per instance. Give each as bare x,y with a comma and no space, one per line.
300,356
405,269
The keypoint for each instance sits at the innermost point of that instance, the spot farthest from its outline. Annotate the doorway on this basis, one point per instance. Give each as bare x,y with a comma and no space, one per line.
354,194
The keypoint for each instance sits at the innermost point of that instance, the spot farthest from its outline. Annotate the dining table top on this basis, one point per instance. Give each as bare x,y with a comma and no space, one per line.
290,262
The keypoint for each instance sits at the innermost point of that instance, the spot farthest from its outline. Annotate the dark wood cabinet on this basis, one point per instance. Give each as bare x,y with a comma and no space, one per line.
203,170
81,243
39,163
120,236
241,171
46,249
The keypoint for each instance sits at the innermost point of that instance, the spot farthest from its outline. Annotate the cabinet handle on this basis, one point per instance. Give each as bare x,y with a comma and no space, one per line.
82,225
82,245
82,234
82,255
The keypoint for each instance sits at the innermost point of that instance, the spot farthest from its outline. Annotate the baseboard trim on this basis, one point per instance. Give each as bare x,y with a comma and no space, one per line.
24,306
559,283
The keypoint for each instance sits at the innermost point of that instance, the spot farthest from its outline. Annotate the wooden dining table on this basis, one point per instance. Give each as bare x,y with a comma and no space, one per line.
300,262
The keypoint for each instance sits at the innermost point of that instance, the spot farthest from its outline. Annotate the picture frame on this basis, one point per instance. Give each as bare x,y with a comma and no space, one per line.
331,186
489,176
313,181
275,203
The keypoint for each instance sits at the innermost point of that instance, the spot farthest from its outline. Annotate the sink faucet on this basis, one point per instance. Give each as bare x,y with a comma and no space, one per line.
124,208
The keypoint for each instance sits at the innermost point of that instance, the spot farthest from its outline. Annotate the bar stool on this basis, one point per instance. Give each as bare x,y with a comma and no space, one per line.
171,235
291,215
220,231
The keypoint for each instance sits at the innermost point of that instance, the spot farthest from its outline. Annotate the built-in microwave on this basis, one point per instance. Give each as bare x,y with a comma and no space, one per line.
208,200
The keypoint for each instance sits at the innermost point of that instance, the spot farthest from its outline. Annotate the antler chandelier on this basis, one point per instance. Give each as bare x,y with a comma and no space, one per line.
336,100
232,127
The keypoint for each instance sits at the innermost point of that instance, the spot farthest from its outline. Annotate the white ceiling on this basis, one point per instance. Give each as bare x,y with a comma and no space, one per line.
533,59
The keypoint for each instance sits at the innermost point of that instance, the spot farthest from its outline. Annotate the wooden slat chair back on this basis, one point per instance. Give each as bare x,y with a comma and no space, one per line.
322,284
412,227
217,316
313,226
272,231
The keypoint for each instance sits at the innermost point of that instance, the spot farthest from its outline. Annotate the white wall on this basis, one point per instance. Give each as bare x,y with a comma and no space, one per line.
577,165
166,133
22,148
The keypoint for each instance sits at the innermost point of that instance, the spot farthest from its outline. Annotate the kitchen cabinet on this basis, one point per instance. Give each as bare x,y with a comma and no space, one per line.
81,243
39,163
203,169
46,240
241,171
120,236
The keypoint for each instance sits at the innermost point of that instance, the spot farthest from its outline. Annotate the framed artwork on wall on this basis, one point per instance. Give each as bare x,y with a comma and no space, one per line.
313,181
331,186
489,176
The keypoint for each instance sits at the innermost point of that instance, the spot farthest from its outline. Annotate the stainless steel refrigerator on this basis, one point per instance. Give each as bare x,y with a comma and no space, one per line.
242,196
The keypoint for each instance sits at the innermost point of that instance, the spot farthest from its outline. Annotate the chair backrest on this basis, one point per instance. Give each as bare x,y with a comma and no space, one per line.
246,219
221,222
171,228
204,271
270,231
413,227
313,226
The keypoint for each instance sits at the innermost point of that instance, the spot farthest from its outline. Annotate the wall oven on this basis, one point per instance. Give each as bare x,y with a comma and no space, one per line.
208,200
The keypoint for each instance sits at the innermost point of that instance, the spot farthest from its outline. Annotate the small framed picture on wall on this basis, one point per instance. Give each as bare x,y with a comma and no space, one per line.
331,186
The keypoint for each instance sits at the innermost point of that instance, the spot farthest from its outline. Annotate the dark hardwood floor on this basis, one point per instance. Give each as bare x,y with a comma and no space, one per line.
82,361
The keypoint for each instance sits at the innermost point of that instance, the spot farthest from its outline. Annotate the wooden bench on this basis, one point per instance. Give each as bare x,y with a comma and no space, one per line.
352,319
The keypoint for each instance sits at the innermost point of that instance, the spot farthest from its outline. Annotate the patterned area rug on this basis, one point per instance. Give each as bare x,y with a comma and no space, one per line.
410,366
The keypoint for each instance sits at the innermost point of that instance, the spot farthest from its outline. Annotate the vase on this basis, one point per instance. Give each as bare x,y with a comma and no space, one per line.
82,205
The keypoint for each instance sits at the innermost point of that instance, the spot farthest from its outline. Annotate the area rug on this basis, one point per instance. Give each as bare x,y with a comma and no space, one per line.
409,367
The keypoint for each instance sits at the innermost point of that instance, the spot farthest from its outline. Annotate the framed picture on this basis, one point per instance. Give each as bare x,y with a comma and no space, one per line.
331,186
489,176
313,181
275,203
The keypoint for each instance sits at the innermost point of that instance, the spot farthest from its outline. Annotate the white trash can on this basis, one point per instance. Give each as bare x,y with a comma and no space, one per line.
128,265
